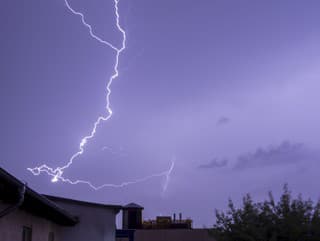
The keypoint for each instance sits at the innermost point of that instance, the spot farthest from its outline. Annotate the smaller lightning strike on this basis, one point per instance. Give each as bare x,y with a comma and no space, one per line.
167,180
57,173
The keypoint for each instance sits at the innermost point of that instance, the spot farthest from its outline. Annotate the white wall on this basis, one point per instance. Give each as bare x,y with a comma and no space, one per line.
95,223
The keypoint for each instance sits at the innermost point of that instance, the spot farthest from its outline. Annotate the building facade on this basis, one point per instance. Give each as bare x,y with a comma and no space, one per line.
95,221
28,216
21,225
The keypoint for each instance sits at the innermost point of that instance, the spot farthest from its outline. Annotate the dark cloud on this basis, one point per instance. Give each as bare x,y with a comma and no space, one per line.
285,153
215,163
223,121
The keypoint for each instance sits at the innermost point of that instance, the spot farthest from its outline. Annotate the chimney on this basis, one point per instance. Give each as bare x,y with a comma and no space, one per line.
180,216
174,217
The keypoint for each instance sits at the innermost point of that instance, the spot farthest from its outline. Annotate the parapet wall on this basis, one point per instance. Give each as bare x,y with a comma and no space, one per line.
173,235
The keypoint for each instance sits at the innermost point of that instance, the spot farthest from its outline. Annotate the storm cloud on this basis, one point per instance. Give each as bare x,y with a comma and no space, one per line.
284,154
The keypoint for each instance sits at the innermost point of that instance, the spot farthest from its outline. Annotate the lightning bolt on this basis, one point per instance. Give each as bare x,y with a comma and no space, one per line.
57,173
167,175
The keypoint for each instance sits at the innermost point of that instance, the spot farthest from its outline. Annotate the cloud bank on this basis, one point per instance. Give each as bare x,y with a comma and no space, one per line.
284,154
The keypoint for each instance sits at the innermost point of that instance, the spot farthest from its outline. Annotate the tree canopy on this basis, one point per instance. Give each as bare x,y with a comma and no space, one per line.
289,219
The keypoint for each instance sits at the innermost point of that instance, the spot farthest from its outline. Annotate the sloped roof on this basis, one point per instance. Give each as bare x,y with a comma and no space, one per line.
34,202
84,203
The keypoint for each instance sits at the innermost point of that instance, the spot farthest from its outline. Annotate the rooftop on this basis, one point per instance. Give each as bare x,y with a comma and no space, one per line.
84,203
133,205
34,202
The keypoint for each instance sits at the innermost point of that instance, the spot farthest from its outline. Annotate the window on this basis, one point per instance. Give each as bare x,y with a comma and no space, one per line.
51,236
26,234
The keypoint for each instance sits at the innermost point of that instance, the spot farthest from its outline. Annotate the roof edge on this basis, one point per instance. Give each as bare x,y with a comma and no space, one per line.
64,199
30,192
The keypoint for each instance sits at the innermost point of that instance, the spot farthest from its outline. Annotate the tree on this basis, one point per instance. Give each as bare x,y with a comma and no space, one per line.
287,220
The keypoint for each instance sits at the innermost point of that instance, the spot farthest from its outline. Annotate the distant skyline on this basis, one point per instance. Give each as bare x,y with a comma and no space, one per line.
228,88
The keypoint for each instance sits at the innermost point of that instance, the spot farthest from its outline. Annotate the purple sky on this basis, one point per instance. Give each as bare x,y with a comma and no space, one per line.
229,88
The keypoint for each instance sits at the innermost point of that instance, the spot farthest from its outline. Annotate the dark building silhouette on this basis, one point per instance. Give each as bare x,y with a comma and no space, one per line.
162,228
132,219
167,222
132,216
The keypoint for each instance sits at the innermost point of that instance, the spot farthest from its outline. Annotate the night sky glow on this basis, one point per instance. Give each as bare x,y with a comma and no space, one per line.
226,91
